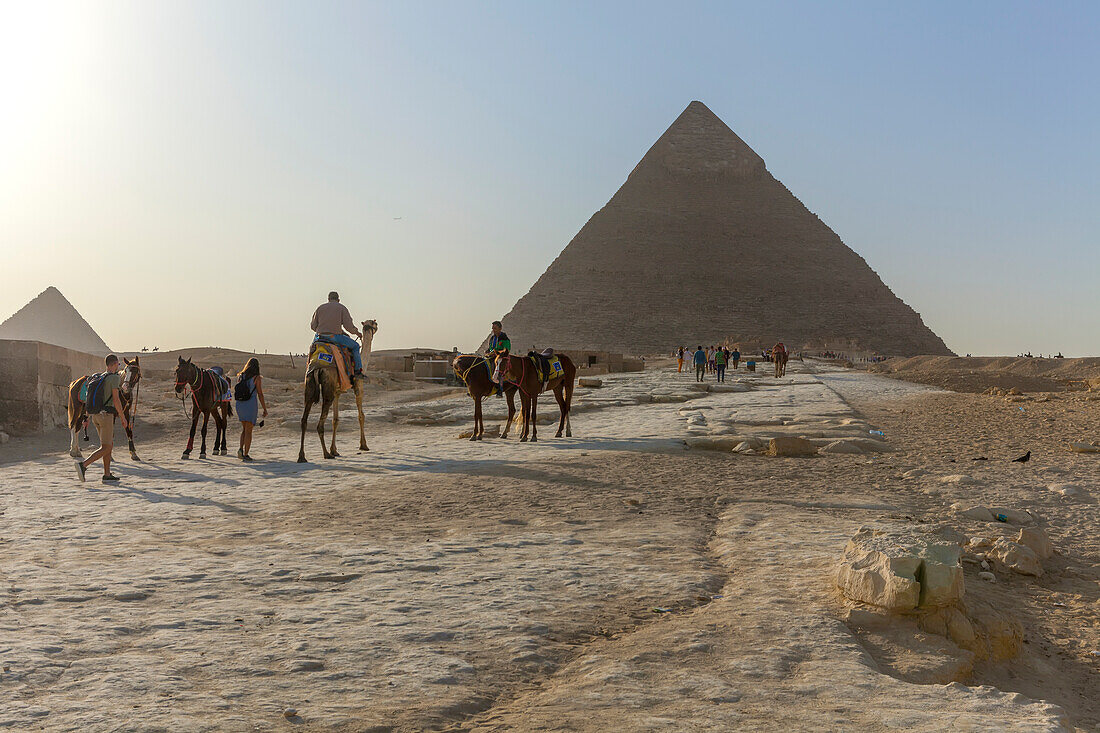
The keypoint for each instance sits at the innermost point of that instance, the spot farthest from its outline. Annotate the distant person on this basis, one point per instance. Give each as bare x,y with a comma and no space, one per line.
720,364
250,387
680,359
735,357
700,360
104,420
329,321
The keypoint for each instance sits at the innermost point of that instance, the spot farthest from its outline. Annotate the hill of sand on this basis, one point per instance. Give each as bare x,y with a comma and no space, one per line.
979,373
701,243
52,319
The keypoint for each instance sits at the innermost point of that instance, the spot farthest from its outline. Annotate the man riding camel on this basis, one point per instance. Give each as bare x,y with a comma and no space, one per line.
497,345
329,321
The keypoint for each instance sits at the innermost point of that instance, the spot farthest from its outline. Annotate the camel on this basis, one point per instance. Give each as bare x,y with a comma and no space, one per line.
78,413
322,385
779,356
520,371
474,371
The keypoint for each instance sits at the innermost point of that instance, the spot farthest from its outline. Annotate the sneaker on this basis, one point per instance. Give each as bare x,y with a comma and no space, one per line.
80,470
246,458
110,478
240,453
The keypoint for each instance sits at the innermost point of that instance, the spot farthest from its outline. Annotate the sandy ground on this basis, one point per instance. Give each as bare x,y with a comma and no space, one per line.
616,580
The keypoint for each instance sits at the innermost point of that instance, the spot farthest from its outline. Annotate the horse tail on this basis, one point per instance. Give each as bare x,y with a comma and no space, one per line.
228,409
75,405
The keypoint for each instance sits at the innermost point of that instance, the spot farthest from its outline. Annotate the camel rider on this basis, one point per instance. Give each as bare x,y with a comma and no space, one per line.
329,321
498,344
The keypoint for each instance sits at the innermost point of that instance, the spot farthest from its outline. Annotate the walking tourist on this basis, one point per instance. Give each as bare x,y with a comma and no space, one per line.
720,364
735,357
680,359
103,405
700,360
248,392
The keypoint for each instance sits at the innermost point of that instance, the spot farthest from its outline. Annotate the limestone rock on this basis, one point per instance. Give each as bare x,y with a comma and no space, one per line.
958,479
1014,556
980,513
1037,541
1012,516
1080,447
900,569
791,446
713,442
590,382
842,447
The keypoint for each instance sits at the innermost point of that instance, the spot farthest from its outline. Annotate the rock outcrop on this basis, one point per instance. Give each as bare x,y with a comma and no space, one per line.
899,570
701,214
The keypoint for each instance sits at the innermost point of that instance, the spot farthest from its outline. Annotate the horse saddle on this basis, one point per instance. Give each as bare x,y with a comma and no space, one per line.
221,384
547,365
325,354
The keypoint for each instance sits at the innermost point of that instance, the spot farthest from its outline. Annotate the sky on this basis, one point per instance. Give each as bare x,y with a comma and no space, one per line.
203,173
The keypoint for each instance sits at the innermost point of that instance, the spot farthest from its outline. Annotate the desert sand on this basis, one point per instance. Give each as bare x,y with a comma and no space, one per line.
658,571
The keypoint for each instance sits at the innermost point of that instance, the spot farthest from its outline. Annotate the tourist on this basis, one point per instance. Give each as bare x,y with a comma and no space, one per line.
735,357
104,420
680,360
250,386
329,322
700,360
720,364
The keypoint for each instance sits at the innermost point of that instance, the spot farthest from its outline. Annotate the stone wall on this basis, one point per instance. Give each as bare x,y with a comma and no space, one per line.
34,383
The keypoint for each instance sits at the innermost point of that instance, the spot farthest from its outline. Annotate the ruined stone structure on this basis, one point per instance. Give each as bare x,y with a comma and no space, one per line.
34,384
52,319
702,244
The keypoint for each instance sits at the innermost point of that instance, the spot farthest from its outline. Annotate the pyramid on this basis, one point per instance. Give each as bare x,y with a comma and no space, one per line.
52,319
700,244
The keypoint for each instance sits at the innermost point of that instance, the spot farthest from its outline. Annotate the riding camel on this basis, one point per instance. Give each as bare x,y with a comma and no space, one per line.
78,412
476,373
322,384
521,371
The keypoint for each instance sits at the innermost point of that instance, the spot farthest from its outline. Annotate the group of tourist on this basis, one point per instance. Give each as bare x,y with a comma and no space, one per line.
249,382
708,360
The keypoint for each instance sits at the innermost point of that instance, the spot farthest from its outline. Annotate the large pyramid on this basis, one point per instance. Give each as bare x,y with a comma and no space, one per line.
51,318
702,244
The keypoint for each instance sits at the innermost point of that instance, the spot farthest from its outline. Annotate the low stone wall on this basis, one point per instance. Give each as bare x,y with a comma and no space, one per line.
34,384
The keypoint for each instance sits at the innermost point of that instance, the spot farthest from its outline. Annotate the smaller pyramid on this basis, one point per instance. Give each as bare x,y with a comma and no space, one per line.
52,319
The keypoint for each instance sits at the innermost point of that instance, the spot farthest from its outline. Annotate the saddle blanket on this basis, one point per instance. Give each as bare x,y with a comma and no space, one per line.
222,383
323,355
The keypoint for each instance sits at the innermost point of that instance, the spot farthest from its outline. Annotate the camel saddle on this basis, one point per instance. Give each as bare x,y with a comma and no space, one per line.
329,355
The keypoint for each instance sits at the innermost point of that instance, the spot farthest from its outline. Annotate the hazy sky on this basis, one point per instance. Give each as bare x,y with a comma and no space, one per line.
203,173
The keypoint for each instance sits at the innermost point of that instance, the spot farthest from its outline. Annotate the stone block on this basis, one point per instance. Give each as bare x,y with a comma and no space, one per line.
791,447
899,570
1014,556
1037,541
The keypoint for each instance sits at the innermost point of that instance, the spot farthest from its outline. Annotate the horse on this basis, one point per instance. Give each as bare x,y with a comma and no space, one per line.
127,395
475,373
205,391
521,372
322,384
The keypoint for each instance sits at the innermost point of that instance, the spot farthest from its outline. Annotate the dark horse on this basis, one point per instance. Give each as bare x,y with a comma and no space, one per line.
206,389
522,372
78,413
475,372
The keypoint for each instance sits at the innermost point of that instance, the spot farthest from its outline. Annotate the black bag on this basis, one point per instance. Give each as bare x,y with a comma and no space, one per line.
242,392
96,401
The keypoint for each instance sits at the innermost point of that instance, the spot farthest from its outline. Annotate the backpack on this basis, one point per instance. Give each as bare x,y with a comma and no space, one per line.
242,392
95,401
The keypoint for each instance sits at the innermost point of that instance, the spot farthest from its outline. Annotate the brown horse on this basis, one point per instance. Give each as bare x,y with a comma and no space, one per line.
206,389
78,413
521,371
322,384
475,372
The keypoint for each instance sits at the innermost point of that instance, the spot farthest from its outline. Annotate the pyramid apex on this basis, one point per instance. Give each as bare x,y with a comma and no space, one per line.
699,143
50,318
